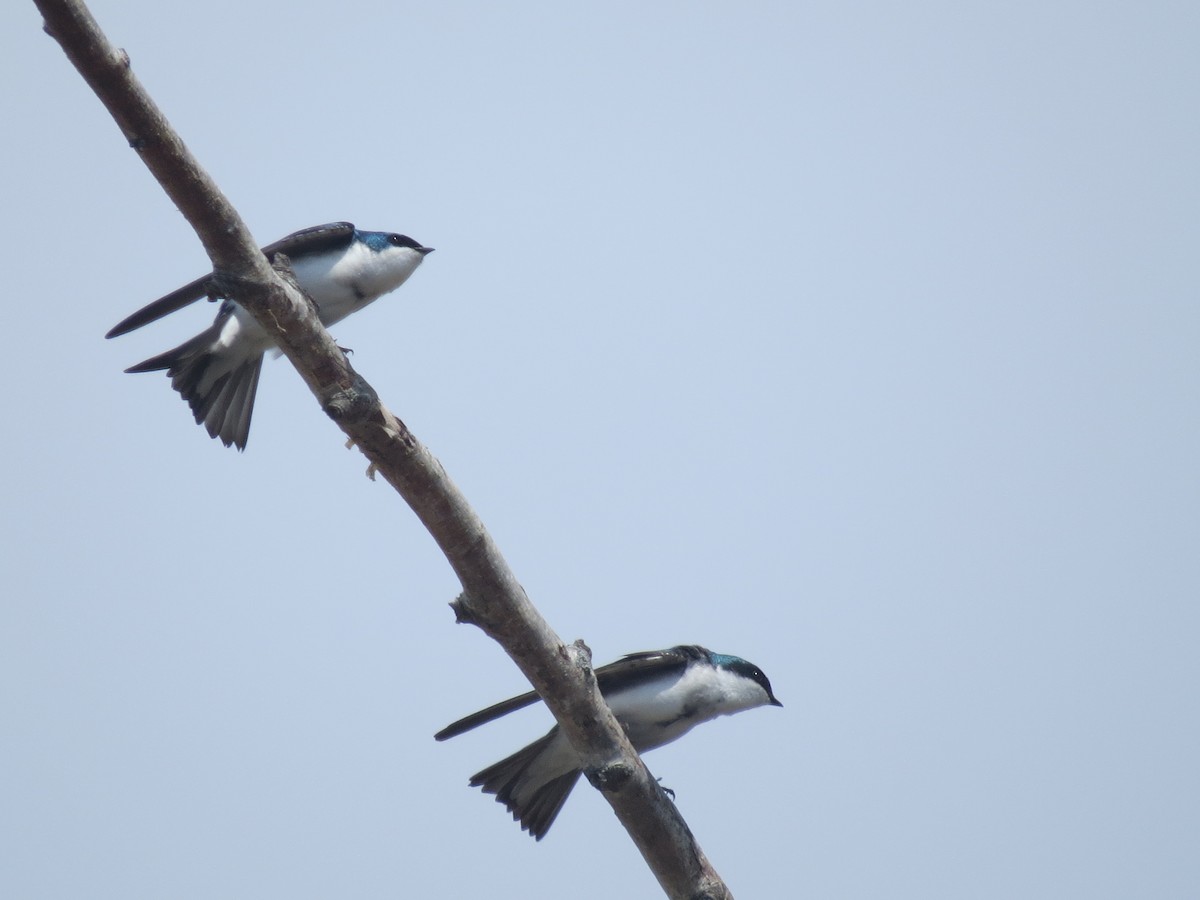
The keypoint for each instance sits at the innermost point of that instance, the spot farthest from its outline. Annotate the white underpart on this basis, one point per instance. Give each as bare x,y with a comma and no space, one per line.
646,709
340,282
656,713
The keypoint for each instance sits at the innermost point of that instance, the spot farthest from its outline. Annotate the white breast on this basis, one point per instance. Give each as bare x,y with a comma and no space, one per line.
344,281
667,708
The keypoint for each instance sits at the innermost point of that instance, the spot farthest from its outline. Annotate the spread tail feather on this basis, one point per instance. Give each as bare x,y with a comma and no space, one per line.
537,811
219,390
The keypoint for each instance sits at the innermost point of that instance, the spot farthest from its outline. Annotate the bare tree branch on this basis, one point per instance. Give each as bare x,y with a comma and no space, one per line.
491,598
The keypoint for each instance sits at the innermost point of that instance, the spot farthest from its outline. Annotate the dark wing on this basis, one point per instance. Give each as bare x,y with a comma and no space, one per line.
503,708
163,306
312,240
614,676
308,240
644,666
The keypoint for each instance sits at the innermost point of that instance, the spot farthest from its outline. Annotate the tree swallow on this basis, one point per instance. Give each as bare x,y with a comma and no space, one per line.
341,268
656,695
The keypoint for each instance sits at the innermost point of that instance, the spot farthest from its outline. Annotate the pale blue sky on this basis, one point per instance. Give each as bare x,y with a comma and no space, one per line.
857,339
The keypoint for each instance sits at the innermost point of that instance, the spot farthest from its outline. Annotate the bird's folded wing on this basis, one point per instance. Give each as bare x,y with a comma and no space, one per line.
312,240
639,667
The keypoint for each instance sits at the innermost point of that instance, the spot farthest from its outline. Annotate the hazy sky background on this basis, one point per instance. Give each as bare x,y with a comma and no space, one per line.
857,339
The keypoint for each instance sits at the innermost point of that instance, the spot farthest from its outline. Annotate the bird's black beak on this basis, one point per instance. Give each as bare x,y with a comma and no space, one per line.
425,251
775,702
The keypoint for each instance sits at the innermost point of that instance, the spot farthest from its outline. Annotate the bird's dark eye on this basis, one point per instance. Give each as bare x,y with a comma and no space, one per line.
403,240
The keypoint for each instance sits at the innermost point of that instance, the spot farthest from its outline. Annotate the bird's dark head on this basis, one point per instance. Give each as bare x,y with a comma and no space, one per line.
379,241
747,670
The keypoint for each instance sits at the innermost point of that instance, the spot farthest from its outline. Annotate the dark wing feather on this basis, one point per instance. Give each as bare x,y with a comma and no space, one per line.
163,306
503,708
312,240
307,240
644,666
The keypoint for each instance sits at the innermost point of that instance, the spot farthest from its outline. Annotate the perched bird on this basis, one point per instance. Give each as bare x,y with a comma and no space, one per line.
656,695
341,268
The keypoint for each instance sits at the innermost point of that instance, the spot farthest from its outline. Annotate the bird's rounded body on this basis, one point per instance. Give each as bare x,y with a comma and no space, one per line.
657,696
341,268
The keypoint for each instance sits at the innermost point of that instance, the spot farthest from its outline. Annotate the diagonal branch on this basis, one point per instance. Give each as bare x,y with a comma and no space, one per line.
492,598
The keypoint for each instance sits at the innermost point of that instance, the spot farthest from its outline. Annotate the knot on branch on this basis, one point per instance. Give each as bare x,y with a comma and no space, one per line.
247,291
352,404
579,655
282,264
609,778
463,613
